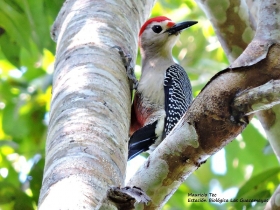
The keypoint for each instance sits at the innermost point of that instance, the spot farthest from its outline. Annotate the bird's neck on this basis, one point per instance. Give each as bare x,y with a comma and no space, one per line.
156,62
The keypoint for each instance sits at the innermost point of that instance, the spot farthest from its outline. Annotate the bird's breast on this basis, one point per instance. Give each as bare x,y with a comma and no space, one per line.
151,89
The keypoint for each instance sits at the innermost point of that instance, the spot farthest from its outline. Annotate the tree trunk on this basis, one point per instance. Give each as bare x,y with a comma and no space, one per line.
86,149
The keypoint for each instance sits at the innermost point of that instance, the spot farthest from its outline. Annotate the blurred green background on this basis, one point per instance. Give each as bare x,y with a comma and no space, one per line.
246,166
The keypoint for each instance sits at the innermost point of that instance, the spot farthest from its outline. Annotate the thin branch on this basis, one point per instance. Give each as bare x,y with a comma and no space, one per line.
274,201
269,119
256,99
253,6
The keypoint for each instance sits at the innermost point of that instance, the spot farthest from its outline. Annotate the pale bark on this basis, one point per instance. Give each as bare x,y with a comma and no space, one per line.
257,99
210,122
86,149
274,201
270,31
233,24
271,123
253,6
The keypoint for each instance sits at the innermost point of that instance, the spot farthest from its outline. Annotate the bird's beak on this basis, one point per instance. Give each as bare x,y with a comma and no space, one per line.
180,26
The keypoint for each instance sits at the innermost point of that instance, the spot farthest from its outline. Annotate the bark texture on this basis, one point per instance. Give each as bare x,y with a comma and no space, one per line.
233,23
260,98
274,202
86,149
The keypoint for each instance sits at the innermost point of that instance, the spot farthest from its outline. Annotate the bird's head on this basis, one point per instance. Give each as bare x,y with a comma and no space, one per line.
159,35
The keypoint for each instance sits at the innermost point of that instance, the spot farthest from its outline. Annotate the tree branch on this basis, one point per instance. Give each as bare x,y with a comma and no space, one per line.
256,99
274,201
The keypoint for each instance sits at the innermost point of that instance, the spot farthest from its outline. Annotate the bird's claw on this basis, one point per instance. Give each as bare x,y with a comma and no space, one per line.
127,61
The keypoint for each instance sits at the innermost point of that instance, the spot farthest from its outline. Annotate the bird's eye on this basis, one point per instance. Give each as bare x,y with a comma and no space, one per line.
157,29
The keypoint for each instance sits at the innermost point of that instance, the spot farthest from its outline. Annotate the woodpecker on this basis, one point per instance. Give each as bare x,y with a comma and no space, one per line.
164,92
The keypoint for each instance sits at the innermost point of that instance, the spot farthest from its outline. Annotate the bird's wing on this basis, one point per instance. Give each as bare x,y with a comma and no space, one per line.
178,95
141,140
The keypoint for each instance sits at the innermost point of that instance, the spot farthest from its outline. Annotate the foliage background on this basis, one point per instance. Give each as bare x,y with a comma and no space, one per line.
246,166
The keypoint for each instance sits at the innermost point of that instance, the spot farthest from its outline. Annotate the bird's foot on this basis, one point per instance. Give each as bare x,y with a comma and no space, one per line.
127,61
126,197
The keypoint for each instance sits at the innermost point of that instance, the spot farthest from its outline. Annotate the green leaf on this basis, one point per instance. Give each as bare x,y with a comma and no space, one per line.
259,182
15,24
7,192
10,49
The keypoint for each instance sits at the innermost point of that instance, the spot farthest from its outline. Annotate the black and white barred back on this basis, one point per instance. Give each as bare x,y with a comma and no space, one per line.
178,95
